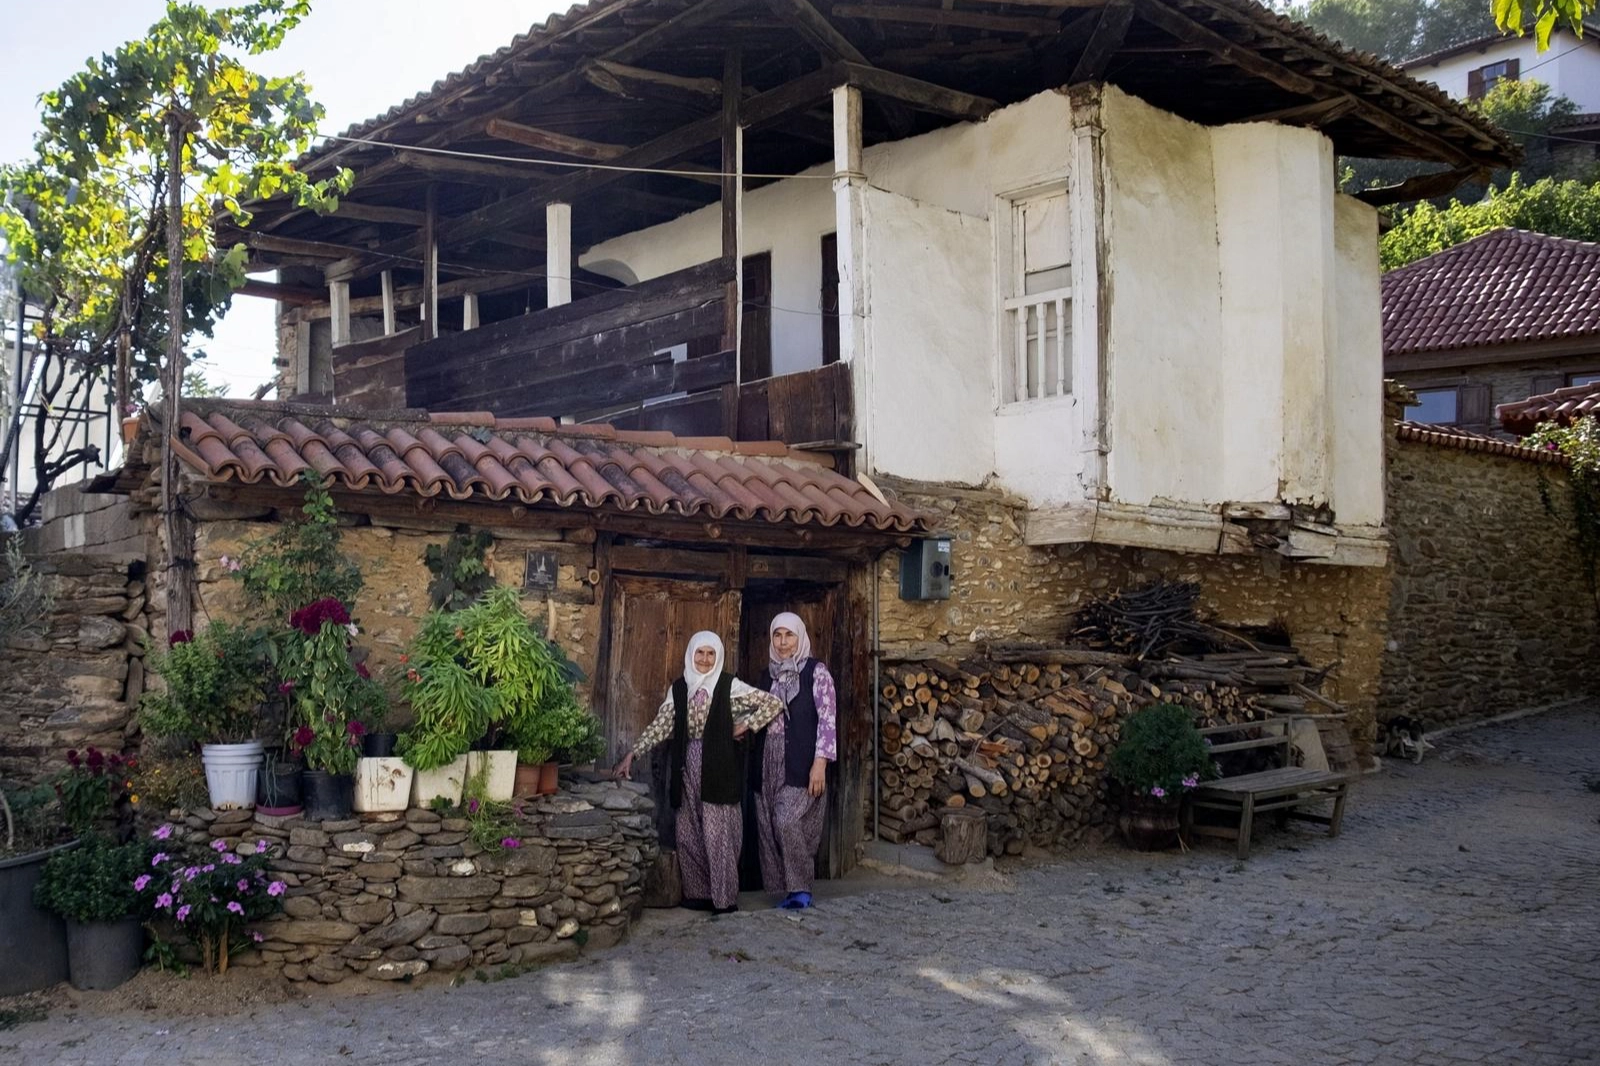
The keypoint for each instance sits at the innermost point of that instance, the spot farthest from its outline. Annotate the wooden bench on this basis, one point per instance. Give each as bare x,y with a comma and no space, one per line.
1282,790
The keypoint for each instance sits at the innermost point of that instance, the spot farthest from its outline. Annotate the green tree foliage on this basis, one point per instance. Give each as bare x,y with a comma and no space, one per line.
1513,16
83,220
1564,209
1397,29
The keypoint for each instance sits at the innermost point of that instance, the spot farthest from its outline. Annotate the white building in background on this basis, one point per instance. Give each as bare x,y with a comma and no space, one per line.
1571,66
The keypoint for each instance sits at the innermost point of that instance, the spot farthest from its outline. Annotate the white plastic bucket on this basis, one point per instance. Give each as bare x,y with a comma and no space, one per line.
231,772
382,784
499,769
426,785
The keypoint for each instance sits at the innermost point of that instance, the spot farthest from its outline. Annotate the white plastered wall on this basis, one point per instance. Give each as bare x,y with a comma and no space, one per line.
1571,68
1355,369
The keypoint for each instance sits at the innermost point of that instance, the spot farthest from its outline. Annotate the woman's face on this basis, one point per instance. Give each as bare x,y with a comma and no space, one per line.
705,657
784,642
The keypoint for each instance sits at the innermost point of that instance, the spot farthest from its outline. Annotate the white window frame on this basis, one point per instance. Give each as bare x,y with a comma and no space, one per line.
1016,333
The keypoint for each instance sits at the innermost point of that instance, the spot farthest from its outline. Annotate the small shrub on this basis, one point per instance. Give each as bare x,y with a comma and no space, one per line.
1161,753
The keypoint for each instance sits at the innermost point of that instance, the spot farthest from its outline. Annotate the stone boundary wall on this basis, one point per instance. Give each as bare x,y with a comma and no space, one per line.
1488,611
73,520
76,681
395,896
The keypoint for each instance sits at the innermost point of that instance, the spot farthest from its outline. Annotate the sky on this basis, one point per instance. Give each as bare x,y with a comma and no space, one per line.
360,57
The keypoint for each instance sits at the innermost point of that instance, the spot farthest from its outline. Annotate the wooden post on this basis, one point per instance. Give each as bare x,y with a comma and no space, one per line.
469,311
732,237
179,531
557,254
388,302
849,185
339,316
430,265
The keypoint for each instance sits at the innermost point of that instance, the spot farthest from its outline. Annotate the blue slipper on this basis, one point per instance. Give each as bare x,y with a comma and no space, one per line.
796,901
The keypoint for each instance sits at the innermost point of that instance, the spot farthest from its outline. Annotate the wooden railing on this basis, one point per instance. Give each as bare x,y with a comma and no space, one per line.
1041,344
596,354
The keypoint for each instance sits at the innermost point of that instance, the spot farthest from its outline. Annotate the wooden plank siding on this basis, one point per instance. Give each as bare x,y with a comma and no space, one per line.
803,408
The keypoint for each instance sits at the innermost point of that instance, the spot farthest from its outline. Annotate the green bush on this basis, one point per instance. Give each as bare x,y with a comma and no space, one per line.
94,882
215,685
1161,753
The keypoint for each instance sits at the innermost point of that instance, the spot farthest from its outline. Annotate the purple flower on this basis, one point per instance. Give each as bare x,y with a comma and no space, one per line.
276,888
232,859
472,806
208,867
159,858
235,906
219,845
161,832
286,687
261,847
244,886
511,842
183,913
164,901
1157,791
191,873
140,882
257,937
1191,781
180,636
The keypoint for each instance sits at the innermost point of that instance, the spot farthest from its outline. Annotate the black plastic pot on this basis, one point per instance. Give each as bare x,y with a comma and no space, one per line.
377,745
278,788
103,955
326,796
33,942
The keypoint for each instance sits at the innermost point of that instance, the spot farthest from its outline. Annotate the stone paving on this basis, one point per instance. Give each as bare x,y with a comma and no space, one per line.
1455,921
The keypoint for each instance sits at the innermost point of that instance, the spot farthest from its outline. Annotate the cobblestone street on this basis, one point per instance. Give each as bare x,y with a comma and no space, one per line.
1455,921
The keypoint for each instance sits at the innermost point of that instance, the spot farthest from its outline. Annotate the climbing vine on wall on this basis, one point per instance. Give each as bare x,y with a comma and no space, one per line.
1579,442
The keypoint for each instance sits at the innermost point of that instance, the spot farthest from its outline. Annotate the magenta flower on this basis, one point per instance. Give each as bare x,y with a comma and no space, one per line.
355,729
164,901
243,885
303,738
472,806
310,618
158,858
511,842
276,888
261,847
191,873
257,937
235,906
180,636
140,882
232,859
286,687
1192,781
183,913
219,845
1157,791
208,867
161,832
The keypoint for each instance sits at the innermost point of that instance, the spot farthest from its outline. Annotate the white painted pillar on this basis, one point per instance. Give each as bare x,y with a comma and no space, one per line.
849,184
558,254
388,302
339,311
469,311
1085,195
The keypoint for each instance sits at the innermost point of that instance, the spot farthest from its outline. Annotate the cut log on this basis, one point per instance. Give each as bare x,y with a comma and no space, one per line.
964,836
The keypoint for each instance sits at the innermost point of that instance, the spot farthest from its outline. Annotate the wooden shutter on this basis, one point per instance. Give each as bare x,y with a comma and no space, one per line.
1513,69
1475,84
1472,405
1543,383
830,298
755,342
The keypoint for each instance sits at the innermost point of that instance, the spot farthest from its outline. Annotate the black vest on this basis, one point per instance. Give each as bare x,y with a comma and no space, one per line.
721,767
800,728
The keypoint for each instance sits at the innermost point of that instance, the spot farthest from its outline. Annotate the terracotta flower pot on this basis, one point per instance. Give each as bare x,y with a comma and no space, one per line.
1149,823
527,782
549,778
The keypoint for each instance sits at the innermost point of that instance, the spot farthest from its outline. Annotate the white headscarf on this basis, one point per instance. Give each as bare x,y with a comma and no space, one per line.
697,680
786,672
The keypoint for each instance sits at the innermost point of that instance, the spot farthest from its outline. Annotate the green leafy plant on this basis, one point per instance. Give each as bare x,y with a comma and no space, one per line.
91,787
460,574
1161,753
215,683
94,882
32,819
333,694
209,894
489,824
26,596
300,561
1579,443
1562,209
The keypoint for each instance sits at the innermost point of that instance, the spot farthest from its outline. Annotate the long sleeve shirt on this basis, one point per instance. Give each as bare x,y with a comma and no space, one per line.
753,708
825,695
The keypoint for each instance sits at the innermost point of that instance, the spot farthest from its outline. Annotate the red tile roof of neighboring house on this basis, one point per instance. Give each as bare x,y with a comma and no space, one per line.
1467,441
476,456
1504,287
1562,405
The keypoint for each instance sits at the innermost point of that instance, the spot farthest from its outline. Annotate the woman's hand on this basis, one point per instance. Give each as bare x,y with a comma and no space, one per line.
740,729
819,777
624,769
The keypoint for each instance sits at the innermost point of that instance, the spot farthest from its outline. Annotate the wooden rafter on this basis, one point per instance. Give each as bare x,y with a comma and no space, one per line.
833,44
932,16
924,95
1110,30
1422,187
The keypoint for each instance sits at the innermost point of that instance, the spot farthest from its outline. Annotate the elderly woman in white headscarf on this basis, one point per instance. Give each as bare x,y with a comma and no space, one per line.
705,713
793,767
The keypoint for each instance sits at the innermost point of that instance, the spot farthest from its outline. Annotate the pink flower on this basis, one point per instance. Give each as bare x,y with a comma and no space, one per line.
208,867
243,885
355,729
276,888
140,882
231,859
257,937
191,873
183,913
158,858
511,842
219,845
302,737
261,847
164,901
161,832
1157,791
472,806
236,907
1192,781
232,566
286,687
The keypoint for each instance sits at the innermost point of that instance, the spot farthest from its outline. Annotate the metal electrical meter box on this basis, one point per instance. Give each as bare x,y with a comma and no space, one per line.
925,570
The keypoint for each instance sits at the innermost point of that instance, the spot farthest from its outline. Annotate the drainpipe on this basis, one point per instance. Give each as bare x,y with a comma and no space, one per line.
877,728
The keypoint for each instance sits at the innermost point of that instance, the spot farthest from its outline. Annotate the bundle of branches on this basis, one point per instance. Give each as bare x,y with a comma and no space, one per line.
1145,621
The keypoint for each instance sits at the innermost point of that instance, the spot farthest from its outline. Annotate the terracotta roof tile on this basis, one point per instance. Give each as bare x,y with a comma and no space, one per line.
1467,441
1562,405
1506,286
533,461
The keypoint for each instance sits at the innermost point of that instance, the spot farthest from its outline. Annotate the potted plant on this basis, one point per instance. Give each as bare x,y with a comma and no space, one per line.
450,707
1160,757
214,687
33,941
208,896
93,888
560,733
332,694
278,791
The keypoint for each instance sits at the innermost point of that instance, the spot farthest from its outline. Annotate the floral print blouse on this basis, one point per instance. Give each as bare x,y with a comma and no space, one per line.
826,697
754,708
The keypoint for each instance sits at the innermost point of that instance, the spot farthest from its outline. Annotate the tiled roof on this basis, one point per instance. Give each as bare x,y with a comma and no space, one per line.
1506,286
476,456
1484,41
1467,441
1562,405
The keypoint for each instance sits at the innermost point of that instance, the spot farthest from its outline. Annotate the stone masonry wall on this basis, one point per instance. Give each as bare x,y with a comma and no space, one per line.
1488,612
1004,589
394,896
74,682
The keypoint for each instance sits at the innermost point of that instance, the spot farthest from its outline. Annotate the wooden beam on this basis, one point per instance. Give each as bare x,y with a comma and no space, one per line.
920,94
932,16
833,44
1109,33
1313,114
289,294
430,265
411,295
268,242
339,312
471,171
732,144
550,141
398,216
1421,187
388,302
621,73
